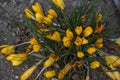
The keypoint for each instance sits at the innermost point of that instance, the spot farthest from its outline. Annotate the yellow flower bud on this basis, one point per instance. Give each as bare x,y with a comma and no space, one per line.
112,60
84,41
49,62
59,3
99,43
28,13
83,18
91,50
78,30
28,72
80,54
39,17
49,74
17,59
66,39
99,17
87,31
95,64
69,34
50,16
36,48
78,41
8,49
37,8
33,41
67,43
64,71
16,63
52,12
47,20
55,36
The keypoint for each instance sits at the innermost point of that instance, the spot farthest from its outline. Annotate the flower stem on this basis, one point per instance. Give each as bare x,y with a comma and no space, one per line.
22,44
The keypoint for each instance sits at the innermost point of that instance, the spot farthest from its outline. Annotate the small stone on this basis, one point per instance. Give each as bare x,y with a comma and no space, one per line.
16,77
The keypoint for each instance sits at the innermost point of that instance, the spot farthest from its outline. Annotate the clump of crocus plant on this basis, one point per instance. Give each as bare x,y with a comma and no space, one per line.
71,41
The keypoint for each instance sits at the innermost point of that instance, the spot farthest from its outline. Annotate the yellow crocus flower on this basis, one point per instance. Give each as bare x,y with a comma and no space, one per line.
9,49
78,41
69,34
28,72
49,74
52,12
49,62
66,39
78,30
47,20
67,43
39,17
37,8
51,59
94,64
91,50
84,41
50,16
17,59
36,48
64,71
33,41
28,13
87,31
80,54
59,3
55,36
99,43
99,17
112,60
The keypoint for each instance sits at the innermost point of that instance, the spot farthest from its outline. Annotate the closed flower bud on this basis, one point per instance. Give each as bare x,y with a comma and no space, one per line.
87,31
99,43
48,62
8,49
28,72
36,48
69,34
47,20
91,50
33,41
67,43
59,3
39,17
28,13
64,71
80,54
99,17
95,64
78,30
37,8
52,12
49,74
112,60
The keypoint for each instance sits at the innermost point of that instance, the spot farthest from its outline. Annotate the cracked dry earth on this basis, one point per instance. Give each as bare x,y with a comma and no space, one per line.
9,33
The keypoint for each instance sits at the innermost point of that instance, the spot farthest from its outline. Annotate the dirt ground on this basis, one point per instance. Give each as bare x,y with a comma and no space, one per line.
9,33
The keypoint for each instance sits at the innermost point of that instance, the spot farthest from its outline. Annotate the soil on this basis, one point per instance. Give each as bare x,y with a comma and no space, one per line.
10,33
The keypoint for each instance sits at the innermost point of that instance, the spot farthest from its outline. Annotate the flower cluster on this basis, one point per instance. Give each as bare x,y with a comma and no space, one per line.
69,40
